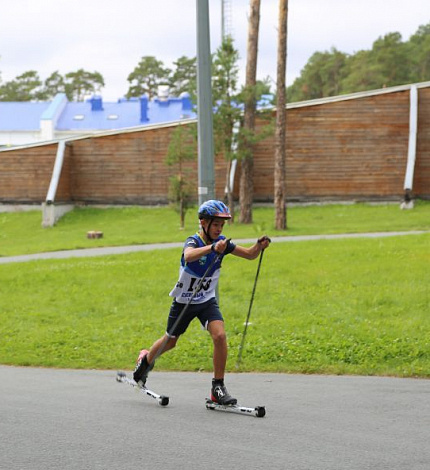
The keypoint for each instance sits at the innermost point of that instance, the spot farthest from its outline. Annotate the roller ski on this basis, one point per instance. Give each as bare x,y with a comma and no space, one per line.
258,411
140,375
221,400
122,377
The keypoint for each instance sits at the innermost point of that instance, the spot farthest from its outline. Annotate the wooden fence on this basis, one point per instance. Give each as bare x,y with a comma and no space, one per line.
343,148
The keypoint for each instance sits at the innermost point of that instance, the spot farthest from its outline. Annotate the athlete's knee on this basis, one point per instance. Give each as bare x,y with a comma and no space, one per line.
161,346
219,337
171,343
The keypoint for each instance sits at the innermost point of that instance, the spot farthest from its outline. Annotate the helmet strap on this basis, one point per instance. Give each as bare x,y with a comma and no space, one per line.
207,232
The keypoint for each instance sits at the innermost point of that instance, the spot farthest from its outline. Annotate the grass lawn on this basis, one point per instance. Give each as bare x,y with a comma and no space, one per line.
356,306
21,233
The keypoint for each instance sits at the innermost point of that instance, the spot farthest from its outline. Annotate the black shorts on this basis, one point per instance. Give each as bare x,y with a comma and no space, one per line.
205,312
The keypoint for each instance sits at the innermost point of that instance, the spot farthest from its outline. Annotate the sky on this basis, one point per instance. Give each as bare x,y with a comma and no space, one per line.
111,36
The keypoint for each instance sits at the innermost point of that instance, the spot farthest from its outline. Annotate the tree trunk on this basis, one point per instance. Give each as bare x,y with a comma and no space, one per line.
246,187
246,190
280,133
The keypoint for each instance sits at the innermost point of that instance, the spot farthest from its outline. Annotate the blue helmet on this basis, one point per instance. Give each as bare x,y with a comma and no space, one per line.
213,209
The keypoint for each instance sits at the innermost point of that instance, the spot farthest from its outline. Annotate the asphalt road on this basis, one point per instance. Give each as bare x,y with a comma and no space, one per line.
68,419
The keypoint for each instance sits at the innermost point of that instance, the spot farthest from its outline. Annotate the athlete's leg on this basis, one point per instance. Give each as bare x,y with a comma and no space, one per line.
168,340
219,391
217,332
169,343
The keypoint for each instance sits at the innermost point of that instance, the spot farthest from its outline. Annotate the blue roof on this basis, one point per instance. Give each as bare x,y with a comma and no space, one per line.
122,114
21,115
79,116
93,114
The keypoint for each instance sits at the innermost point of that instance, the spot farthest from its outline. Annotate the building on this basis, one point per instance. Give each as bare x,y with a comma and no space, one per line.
367,146
23,123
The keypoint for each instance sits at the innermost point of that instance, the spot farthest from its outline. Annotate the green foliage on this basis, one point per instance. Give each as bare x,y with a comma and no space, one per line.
418,52
184,77
385,65
322,76
147,76
264,86
232,137
389,54
246,138
229,102
81,83
54,84
225,97
390,62
182,148
28,86
329,306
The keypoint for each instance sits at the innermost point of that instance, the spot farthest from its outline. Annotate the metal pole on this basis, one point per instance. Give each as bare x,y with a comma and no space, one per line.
206,189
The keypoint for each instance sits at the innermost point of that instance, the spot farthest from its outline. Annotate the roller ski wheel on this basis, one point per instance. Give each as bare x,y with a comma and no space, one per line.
163,400
258,411
120,376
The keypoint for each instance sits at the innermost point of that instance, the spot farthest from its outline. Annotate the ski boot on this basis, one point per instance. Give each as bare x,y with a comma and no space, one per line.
140,374
220,395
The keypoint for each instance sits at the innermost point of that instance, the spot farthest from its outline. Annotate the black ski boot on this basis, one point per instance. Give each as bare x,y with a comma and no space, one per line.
220,395
140,374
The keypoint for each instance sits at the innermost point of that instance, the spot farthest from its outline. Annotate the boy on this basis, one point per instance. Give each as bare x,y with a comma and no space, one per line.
199,252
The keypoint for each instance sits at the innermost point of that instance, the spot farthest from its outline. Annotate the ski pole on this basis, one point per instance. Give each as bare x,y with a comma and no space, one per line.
184,310
239,357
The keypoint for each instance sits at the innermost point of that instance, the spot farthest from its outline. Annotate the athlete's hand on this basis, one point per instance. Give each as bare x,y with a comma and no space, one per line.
220,246
264,242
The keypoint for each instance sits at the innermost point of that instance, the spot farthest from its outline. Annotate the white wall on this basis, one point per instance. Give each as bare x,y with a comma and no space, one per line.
11,138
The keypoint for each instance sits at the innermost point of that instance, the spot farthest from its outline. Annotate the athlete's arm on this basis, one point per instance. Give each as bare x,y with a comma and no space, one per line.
193,254
253,251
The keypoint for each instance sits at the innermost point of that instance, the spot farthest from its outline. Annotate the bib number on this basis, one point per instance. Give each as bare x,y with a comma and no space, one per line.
205,284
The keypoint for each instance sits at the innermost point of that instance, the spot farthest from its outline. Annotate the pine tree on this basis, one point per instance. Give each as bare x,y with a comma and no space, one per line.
80,84
228,113
184,77
182,148
246,188
147,76
280,151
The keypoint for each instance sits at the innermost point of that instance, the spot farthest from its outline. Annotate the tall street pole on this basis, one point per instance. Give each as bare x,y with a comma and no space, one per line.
206,189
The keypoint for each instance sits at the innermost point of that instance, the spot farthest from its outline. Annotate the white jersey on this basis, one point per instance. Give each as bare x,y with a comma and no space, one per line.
190,274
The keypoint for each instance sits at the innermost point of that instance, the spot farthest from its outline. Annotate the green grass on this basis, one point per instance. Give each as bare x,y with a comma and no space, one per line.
21,233
334,306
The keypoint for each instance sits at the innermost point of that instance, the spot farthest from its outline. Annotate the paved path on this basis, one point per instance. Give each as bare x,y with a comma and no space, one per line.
115,250
75,420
